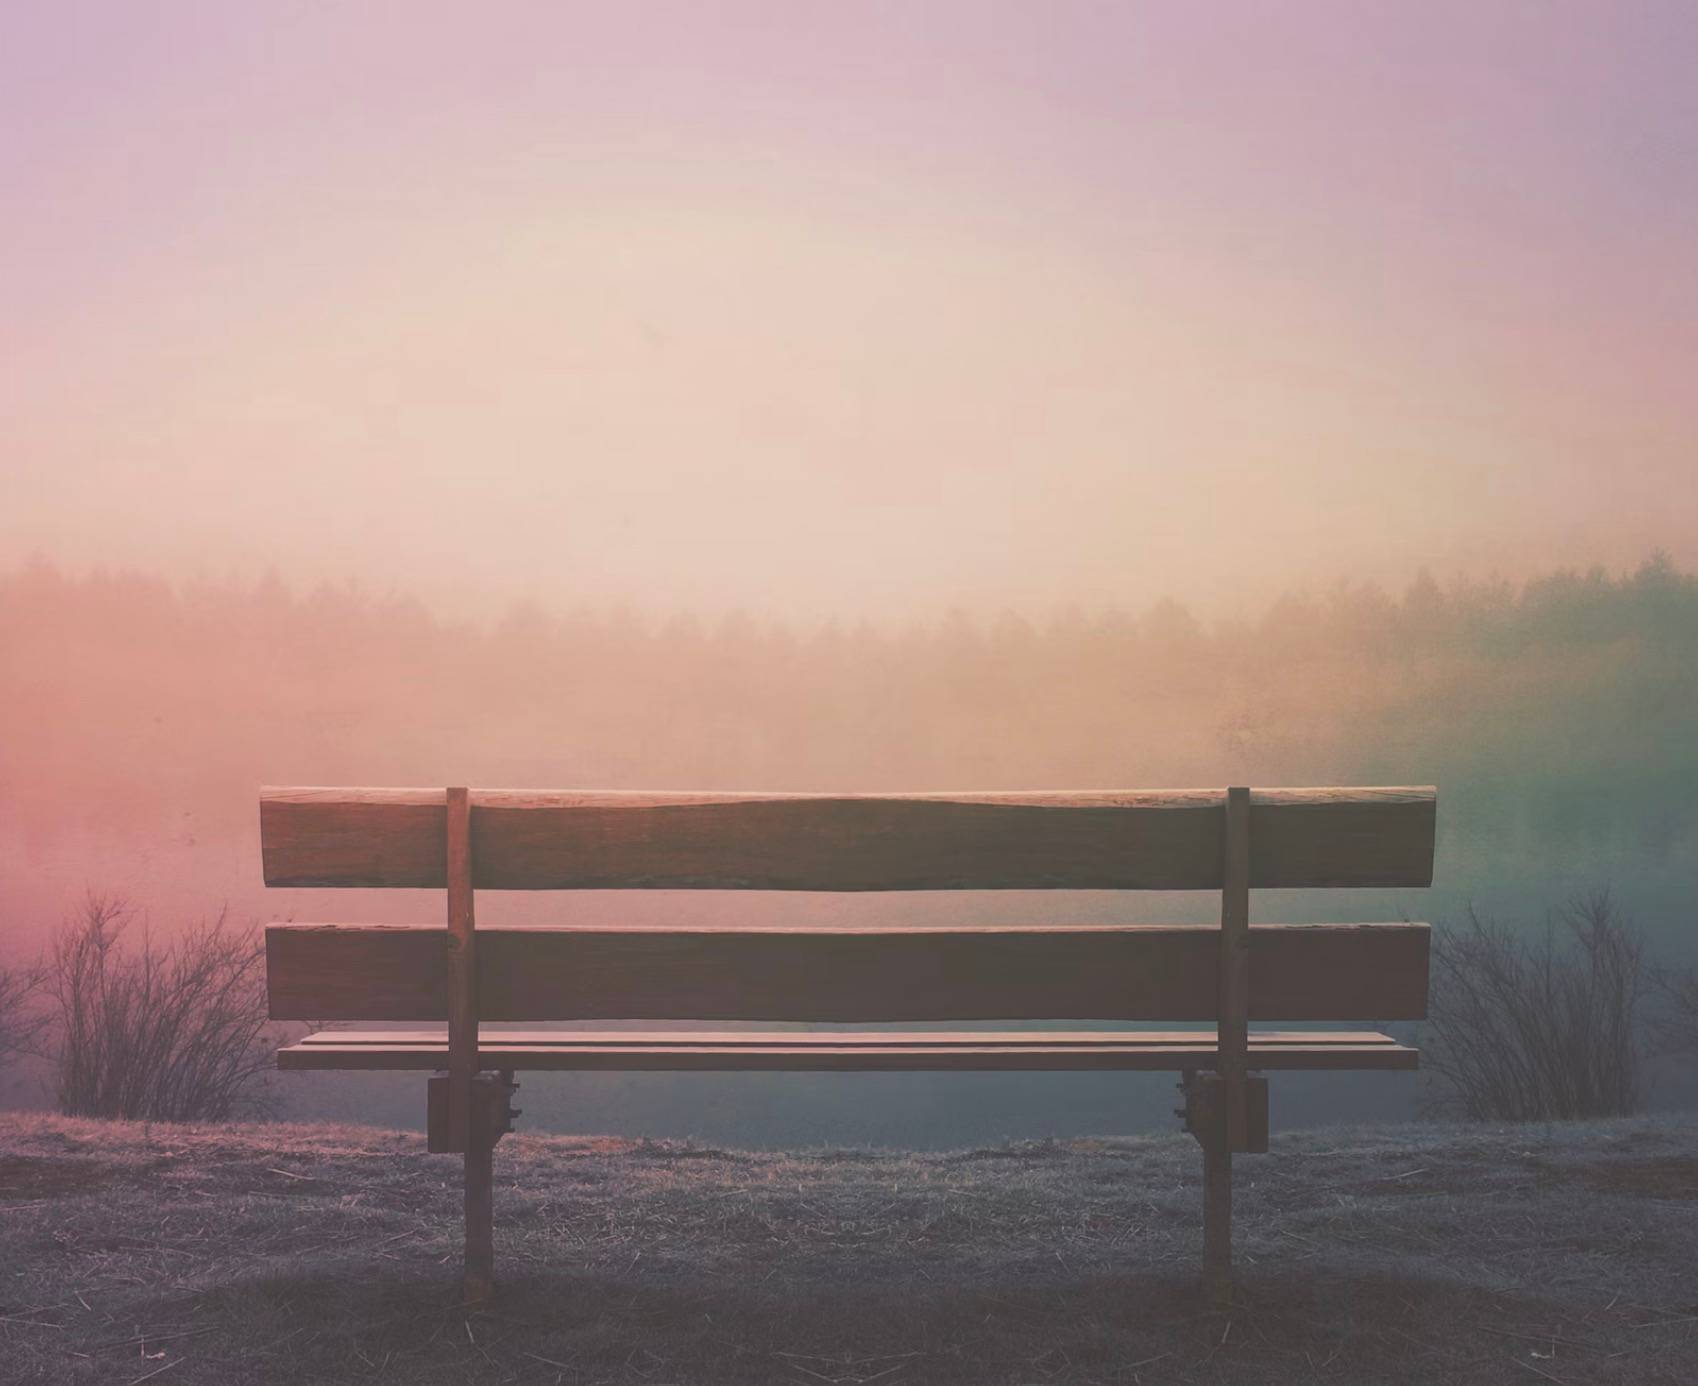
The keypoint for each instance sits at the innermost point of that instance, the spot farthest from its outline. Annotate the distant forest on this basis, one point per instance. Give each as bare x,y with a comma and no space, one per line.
1557,716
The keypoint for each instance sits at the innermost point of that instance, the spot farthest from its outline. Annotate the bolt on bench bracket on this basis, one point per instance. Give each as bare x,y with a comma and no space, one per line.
492,1110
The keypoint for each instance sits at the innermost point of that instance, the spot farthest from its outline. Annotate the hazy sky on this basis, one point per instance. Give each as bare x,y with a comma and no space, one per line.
848,307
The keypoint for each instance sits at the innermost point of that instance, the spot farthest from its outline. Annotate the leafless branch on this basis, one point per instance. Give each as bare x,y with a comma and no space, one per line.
22,1019
165,1032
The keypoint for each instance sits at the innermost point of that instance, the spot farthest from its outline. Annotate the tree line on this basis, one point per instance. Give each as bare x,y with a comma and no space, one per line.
1554,711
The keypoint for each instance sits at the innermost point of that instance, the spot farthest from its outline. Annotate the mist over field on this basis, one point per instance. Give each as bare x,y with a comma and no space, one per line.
1554,716
872,310
966,395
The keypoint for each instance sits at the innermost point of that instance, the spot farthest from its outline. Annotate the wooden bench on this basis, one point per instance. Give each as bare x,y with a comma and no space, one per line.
1223,840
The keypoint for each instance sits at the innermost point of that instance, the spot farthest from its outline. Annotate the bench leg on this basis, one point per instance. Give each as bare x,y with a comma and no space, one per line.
1217,1221
480,1211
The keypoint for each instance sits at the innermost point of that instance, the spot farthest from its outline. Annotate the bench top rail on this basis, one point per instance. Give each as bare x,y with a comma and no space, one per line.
1101,840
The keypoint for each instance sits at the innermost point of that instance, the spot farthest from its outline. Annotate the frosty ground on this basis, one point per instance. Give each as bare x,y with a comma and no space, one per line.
328,1254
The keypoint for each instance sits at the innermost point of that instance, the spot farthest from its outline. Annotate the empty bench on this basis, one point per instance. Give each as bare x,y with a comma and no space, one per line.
1095,976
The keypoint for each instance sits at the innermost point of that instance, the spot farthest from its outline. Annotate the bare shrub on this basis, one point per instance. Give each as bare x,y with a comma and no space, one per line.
21,1018
161,1032
1542,1026
1676,1025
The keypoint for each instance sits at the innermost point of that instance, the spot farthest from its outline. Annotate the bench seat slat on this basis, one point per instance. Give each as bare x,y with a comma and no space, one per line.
860,1051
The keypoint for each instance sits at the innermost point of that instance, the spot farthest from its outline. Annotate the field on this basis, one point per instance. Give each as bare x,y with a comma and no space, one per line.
328,1254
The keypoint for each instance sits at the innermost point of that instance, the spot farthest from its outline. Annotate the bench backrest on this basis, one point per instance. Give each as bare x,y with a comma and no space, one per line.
1164,840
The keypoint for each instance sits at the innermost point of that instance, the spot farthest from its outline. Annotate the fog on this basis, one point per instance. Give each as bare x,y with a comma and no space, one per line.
1555,718
824,397
854,311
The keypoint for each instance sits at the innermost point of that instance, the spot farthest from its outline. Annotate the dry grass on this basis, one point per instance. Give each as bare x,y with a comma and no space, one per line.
296,1254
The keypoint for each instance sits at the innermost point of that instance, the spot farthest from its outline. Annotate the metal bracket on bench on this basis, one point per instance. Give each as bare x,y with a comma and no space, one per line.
492,1115
1204,1112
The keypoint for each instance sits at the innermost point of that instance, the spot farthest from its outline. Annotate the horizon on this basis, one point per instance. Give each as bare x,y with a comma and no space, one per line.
1222,619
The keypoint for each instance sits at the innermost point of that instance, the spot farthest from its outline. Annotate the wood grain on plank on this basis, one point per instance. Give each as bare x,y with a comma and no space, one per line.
1136,972
542,840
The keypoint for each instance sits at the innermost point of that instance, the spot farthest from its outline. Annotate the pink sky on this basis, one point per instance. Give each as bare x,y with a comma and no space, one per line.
849,307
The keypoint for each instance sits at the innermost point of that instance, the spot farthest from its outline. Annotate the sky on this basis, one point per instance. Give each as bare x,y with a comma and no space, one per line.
848,309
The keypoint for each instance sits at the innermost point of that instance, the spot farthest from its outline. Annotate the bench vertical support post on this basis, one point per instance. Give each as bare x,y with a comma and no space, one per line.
1233,1042
480,1209
1217,1221
468,1131
462,970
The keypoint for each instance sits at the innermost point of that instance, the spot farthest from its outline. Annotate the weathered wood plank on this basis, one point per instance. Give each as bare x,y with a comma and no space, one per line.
1160,840
869,1052
1305,972
366,1036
